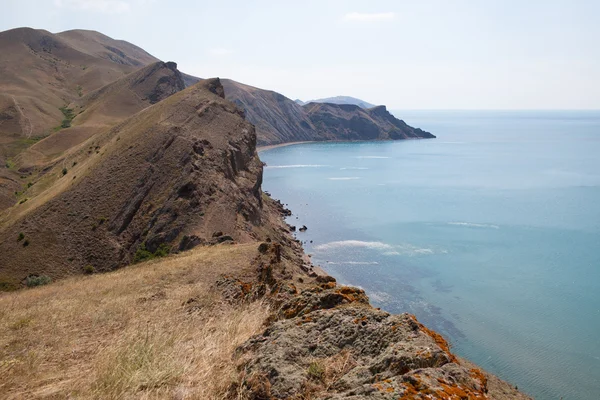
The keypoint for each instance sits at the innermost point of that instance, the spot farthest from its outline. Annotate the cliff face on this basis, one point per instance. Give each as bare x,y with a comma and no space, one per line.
280,120
277,118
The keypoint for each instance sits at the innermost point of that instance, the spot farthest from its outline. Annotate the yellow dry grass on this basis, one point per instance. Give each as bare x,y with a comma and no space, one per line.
129,333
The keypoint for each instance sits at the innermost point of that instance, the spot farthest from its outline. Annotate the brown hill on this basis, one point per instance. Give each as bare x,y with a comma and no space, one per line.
168,177
103,108
40,73
280,120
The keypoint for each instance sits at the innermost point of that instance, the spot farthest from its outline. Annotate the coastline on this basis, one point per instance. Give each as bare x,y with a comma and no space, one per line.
274,146
491,385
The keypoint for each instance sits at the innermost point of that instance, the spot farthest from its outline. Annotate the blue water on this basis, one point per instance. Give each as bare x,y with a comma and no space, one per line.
490,234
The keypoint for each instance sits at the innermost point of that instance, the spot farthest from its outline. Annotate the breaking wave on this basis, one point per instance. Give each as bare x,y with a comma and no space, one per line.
297,166
473,225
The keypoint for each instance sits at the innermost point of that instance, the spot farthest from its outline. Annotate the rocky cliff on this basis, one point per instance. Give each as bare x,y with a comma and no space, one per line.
280,120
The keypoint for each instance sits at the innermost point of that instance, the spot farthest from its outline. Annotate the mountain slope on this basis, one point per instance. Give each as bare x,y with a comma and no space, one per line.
101,46
169,176
280,120
277,118
343,100
103,108
42,72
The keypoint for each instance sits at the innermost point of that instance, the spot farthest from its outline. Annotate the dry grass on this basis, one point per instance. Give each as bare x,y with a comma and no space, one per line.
130,333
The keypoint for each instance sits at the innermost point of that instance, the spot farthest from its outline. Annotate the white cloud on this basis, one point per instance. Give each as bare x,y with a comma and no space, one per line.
101,6
220,52
369,17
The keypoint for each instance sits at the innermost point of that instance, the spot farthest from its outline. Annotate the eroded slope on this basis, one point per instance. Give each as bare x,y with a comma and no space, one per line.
167,178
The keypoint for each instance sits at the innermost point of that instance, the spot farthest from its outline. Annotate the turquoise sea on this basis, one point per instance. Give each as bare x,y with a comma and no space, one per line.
490,234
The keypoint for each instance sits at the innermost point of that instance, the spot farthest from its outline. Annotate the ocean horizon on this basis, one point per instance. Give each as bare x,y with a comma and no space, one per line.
489,234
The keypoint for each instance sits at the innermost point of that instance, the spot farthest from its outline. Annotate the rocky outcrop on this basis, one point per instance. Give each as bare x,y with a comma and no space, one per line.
325,341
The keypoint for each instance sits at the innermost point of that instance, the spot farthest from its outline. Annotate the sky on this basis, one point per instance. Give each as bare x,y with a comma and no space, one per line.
426,54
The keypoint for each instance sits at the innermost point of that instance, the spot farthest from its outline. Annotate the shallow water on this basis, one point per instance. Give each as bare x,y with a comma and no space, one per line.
490,234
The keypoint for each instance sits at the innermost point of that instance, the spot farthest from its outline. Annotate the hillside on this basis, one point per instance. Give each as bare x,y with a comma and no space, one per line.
166,178
343,100
40,74
280,120
102,108
277,118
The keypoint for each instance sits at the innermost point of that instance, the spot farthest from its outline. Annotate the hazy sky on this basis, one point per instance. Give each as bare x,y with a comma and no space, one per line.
524,54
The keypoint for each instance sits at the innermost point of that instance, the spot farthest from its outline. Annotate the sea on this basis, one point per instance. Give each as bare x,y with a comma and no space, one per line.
489,234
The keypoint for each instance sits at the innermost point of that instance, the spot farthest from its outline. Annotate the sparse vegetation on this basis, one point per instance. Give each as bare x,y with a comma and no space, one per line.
69,115
79,90
142,254
37,280
10,164
20,237
316,371
112,336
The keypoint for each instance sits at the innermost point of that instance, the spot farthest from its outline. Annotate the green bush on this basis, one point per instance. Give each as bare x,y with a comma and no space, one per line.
68,113
21,236
142,254
64,171
89,269
37,280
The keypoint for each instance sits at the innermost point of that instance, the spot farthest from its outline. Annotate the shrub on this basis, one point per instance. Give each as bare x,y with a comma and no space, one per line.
23,200
68,113
37,280
143,254
64,171
162,251
21,236
89,269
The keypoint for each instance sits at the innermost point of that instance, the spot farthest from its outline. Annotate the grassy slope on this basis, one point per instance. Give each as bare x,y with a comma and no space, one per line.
128,332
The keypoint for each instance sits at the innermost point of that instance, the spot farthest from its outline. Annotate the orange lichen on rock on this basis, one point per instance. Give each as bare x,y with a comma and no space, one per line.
439,339
480,376
352,294
328,285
